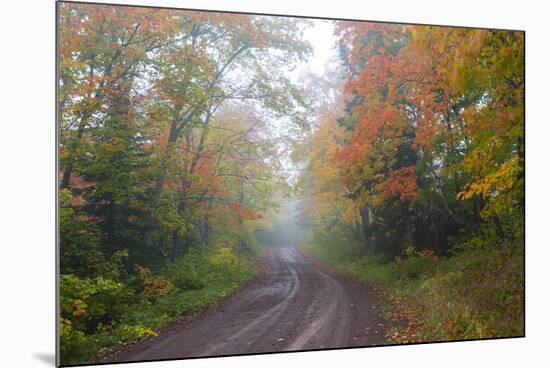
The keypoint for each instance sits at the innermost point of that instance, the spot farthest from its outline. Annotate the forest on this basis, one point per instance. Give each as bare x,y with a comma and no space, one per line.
190,141
416,183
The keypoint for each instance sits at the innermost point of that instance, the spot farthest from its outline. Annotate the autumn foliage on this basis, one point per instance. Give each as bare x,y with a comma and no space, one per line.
166,147
415,178
433,132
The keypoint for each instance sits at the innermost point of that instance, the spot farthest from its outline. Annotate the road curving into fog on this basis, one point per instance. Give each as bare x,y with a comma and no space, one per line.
295,305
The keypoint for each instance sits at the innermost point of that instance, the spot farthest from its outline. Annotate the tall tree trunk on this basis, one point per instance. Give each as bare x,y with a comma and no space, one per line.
498,227
159,182
205,230
176,245
365,222
110,224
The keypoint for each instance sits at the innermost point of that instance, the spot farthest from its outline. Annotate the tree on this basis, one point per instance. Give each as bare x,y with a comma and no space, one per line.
139,91
434,147
218,52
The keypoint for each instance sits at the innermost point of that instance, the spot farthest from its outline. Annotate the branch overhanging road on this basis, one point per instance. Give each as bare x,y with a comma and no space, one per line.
296,305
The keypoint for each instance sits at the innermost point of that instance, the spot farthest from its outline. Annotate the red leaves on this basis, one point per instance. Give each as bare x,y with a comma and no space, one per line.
402,184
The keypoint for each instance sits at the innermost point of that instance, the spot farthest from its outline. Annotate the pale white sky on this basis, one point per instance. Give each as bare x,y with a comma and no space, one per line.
322,38
323,41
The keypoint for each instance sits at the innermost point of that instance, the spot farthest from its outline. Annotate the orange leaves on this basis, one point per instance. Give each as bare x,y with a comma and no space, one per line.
244,213
79,308
204,179
161,143
368,162
369,158
351,153
205,165
425,134
375,127
402,184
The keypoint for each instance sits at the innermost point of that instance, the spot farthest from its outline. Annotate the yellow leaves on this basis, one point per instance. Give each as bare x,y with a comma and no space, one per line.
225,258
350,215
496,187
138,331
328,196
155,286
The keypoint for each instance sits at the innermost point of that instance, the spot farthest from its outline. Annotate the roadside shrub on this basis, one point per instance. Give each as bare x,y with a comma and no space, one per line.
75,345
80,252
225,260
333,245
371,267
487,294
121,333
114,268
190,272
153,286
414,264
86,302
198,279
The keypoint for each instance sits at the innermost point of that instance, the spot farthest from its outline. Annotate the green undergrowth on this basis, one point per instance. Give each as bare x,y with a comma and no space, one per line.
476,293
100,314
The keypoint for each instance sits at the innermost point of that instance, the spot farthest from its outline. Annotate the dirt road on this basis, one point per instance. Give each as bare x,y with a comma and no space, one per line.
296,306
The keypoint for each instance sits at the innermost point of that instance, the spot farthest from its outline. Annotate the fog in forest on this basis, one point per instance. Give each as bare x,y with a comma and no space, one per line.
285,225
